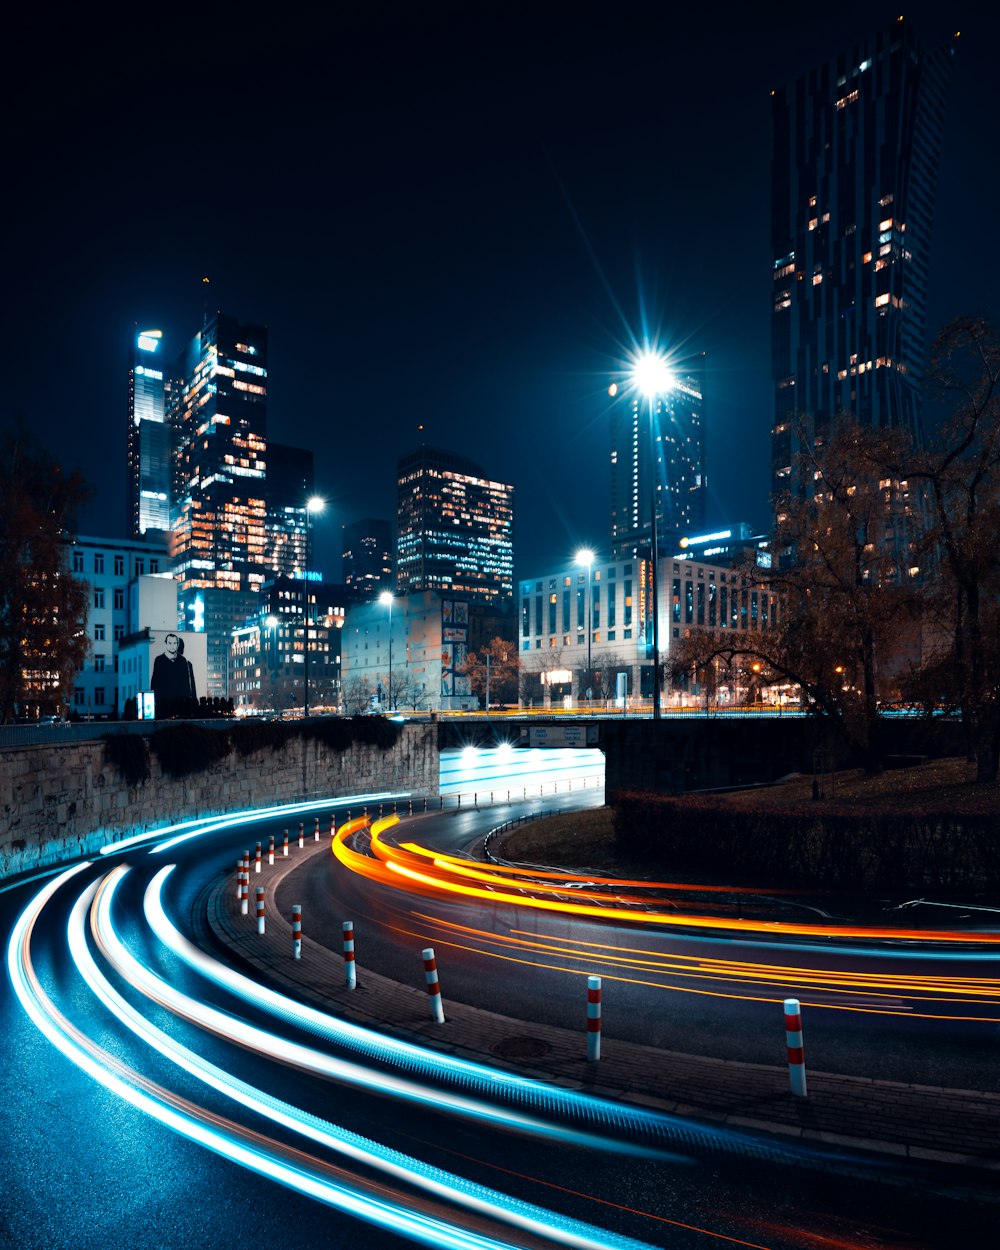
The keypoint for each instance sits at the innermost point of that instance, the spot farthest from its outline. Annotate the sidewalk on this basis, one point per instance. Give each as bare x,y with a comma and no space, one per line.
918,1122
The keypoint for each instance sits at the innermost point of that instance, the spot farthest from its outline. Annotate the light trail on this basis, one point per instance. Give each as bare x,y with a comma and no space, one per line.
259,1154
555,1101
413,869
400,1167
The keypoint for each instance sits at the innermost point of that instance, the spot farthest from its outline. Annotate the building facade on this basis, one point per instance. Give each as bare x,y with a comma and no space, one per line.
658,453
130,587
855,159
604,614
148,476
288,484
367,554
454,528
409,653
218,418
267,653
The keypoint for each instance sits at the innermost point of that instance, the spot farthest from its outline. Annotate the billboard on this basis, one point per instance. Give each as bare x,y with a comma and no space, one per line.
177,664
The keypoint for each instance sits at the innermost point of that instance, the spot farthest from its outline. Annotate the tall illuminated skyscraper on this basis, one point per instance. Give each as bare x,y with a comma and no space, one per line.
148,442
218,417
454,528
856,145
368,556
669,466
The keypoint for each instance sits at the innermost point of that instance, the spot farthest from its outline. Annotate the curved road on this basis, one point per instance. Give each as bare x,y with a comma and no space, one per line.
133,1112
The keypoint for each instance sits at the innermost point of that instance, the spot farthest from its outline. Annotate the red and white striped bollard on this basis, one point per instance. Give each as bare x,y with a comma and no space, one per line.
316,831
257,859
296,930
284,845
270,849
593,1019
350,967
796,1053
433,985
302,834
260,908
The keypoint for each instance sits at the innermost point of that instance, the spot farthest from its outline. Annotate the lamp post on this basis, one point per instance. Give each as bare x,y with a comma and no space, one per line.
313,504
271,622
651,376
386,598
586,556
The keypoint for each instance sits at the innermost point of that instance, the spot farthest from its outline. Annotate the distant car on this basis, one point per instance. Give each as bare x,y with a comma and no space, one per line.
52,720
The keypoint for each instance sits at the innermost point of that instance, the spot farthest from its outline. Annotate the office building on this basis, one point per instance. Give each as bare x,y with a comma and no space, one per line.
148,478
368,565
218,418
408,654
288,484
855,160
658,452
454,528
603,613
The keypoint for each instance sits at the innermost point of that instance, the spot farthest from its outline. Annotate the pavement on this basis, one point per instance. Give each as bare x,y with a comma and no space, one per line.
953,1128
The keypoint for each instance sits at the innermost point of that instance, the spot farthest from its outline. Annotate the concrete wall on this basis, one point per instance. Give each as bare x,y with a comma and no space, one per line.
61,802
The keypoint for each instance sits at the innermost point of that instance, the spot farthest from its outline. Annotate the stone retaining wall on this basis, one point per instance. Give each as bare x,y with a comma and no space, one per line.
62,802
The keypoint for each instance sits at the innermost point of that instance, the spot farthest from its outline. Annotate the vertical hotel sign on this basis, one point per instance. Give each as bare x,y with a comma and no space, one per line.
454,648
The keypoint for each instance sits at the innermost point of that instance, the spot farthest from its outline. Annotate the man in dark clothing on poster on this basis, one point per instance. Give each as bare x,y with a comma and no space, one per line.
173,677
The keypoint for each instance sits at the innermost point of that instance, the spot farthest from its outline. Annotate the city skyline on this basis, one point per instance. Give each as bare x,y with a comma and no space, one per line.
465,241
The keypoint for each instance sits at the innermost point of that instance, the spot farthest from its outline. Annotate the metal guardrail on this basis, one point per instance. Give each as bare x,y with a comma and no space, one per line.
67,732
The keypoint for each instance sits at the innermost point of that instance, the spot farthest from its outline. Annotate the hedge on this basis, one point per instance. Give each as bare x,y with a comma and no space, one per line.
846,849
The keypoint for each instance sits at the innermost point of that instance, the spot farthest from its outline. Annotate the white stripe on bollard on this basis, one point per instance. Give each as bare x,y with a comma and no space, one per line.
296,931
796,1053
433,985
593,1019
350,967
260,909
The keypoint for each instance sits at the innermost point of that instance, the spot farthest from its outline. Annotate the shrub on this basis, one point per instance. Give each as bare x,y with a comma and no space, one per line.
248,736
186,749
799,846
128,754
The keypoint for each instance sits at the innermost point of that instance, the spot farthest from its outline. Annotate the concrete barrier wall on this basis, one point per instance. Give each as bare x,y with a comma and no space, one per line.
61,802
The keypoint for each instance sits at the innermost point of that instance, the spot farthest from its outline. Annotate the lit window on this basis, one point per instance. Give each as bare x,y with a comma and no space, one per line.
885,225
881,300
866,259
817,279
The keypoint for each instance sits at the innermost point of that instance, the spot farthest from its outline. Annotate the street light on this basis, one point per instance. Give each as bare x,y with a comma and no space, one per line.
313,504
386,598
586,556
651,375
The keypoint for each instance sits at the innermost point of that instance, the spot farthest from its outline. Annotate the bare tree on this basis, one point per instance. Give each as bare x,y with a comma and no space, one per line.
493,671
959,470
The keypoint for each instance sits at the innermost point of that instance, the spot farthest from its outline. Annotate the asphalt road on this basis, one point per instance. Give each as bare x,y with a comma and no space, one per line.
193,1166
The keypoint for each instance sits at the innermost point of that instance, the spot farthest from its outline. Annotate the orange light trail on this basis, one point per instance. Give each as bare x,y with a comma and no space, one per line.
420,871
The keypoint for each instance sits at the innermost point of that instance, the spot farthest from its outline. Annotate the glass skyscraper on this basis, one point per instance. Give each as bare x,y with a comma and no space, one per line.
667,463
218,418
148,441
856,146
454,528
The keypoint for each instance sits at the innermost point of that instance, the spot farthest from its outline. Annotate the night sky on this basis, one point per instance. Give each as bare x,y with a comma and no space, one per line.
461,219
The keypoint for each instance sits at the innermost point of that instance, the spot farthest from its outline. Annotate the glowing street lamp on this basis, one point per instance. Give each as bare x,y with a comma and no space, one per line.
586,556
652,377
313,504
386,598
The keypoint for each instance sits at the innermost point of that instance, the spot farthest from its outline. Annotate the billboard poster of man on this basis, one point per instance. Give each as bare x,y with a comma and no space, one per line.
173,675
177,679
